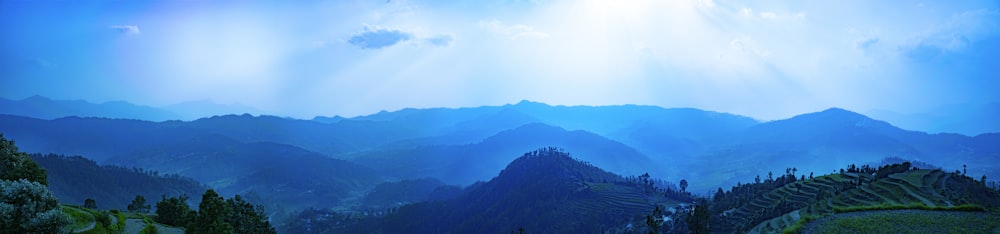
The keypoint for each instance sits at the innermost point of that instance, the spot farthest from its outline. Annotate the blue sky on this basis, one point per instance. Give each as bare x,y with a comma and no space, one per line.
765,59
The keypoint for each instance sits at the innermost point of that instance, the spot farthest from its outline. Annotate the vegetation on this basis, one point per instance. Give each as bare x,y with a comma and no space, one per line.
174,211
26,205
216,215
76,179
909,221
139,205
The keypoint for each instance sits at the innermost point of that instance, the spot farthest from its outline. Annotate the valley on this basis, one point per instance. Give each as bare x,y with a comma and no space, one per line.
610,171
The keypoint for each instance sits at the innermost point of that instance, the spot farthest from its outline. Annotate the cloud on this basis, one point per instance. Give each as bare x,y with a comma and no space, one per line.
126,29
706,3
768,15
440,40
377,38
963,31
515,32
865,43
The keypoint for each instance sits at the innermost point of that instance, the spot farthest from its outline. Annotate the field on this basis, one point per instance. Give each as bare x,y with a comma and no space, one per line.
906,221
832,194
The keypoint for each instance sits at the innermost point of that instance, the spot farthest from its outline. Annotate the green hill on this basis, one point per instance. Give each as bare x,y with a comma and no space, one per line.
894,187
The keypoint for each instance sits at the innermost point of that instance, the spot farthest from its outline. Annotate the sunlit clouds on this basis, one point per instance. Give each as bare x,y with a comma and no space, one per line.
764,59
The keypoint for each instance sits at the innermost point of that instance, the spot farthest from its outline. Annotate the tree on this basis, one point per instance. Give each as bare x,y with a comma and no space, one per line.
15,165
90,203
139,205
26,205
698,221
655,221
29,207
684,185
212,214
174,211
247,218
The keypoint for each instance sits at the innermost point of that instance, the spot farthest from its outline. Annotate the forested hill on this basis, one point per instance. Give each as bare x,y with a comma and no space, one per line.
74,179
544,191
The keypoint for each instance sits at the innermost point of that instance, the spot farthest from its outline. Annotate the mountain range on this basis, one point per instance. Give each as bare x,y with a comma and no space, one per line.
335,162
46,108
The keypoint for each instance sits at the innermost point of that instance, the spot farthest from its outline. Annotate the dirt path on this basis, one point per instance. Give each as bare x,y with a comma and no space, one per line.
93,221
133,226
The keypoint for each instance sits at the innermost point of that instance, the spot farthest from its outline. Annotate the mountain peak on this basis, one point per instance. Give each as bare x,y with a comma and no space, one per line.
553,163
36,98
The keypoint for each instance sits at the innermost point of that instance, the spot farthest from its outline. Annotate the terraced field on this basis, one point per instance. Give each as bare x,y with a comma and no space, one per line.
614,198
825,195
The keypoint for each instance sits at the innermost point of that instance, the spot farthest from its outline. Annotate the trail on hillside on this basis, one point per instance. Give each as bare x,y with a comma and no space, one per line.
93,220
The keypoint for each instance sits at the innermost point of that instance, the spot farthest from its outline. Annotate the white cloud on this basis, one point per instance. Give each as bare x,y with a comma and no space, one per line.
746,11
707,3
515,32
768,15
126,29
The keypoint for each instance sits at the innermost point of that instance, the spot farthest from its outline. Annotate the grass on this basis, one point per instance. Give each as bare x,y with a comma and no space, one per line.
799,225
80,218
910,222
910,206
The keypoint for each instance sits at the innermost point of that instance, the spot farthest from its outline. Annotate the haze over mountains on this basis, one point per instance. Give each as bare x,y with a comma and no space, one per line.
46,108
342,158
966,119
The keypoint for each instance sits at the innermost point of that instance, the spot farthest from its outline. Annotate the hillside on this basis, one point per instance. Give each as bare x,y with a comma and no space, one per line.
818,142
74,179
543,191
466,164
758,208
280,174
45,108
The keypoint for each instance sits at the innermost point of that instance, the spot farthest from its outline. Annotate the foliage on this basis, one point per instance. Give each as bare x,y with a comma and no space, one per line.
139,205
27,206
698,221
90,203
174,211
247,218
212,214
15,165
75,179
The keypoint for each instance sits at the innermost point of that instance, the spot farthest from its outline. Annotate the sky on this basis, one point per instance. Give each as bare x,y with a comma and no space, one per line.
765,59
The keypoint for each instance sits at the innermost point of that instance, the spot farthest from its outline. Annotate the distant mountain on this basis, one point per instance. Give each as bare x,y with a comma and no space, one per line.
824,141
45,108
394,194
283,175
545,191
74,179
967,119
465,164
192,110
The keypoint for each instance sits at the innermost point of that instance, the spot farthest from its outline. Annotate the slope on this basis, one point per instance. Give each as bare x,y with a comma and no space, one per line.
817,142
74,179
543,191
465,164
280,174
